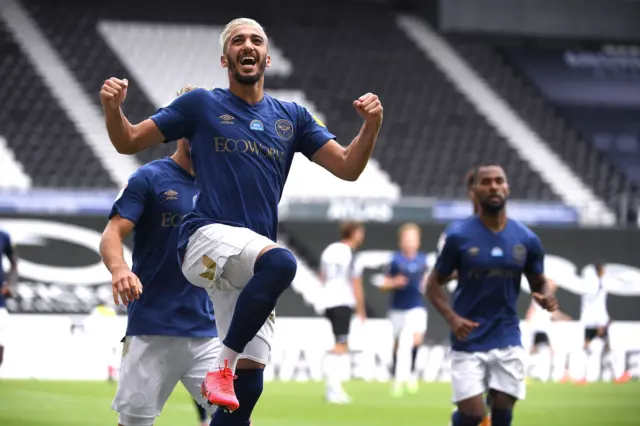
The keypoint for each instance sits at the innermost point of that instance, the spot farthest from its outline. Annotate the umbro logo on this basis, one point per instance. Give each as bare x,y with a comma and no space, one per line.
171,195
226,119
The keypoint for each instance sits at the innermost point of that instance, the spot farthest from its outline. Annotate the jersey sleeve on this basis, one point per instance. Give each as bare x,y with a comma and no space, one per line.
448,256
132,198
534,264
312,133
178,119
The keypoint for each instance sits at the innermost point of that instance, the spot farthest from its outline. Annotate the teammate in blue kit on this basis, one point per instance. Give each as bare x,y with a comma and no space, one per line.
408,314
171,334
490,253
6,248
243,143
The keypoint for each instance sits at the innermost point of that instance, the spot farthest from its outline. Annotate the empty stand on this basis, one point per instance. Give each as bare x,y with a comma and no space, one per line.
578,153
431,135
36,129
72,28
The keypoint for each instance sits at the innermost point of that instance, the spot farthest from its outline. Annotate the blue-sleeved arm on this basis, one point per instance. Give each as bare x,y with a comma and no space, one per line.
312,134
534,264
449,255
131,200
179,119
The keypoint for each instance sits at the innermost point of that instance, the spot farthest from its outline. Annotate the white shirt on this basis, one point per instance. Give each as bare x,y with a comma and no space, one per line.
336,267
594,307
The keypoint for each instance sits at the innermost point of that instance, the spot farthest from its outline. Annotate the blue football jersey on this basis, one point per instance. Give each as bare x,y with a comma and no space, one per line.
241,154
156,198
410,296
6,248
490,266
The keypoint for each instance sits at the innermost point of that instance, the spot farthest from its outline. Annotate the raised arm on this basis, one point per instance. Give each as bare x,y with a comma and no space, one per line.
127,138
349,163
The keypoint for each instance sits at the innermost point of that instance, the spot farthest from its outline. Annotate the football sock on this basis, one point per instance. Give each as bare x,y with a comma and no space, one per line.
501,417
459,419
414,354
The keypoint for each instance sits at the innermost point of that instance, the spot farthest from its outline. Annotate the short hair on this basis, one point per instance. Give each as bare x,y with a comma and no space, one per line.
477,170
409,226
470,177
347,229
238,22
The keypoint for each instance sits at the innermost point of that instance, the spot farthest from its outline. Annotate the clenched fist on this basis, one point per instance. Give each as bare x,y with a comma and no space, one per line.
113,92
369,108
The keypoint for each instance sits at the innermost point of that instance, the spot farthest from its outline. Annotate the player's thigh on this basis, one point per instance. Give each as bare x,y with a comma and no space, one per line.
507,371
222,257
340,318
468,375
259,348
149,370
398,319
202,353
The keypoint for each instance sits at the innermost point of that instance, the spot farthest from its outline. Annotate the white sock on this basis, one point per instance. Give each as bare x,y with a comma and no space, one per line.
403,358
332,372
618,363
229,355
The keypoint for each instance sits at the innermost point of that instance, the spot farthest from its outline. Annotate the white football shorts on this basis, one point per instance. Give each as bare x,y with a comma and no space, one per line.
150,368
412,320
473,373
220,258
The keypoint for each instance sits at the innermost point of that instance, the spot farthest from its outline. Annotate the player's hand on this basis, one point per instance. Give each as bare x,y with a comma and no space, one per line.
400,281
462,327
601,331
369,108
113,92
4,290
547,302
125,285
362,317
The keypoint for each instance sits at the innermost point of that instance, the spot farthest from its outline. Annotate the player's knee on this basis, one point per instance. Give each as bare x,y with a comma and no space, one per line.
129,420
279,261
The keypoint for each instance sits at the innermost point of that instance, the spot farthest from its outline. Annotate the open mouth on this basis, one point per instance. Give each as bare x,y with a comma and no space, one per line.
247,62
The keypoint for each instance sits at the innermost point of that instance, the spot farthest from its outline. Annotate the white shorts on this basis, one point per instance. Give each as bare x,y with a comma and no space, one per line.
4,324
151,367
220,258
412,320
473,373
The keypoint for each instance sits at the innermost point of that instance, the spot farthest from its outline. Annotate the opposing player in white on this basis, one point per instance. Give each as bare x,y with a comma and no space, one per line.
595,318
243,143
539,324
171,334
342,293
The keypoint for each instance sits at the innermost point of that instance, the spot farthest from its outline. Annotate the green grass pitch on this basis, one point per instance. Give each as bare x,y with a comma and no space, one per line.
37,403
